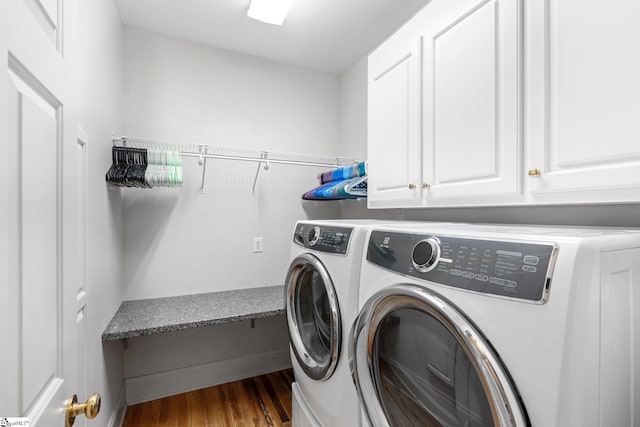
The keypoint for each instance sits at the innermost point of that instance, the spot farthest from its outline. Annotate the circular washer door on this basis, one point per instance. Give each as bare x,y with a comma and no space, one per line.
417,360
313,316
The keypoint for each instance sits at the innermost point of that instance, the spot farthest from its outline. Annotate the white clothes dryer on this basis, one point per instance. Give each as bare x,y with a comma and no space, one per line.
321,297
476,325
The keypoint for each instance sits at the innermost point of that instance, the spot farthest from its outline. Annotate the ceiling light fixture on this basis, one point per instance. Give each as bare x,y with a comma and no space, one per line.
269,11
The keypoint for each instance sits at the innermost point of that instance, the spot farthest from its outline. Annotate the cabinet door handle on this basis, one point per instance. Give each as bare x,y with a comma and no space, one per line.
412,186
534,173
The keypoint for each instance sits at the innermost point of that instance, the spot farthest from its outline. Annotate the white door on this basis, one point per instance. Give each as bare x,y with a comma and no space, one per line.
472,143
82,288
394,123
582,100
39,199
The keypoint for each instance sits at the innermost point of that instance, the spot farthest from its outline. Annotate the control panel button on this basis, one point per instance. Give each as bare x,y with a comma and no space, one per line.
425,255
497,281
468,274
529,268
314,236
531,260
482,277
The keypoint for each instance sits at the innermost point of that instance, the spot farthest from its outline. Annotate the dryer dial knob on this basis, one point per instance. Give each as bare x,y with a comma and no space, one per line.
314,236
426,254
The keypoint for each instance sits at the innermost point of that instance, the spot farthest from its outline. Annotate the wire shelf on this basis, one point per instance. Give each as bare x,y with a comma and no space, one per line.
264,158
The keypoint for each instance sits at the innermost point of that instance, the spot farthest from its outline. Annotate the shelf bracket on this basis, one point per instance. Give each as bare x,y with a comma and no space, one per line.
263,156
202,161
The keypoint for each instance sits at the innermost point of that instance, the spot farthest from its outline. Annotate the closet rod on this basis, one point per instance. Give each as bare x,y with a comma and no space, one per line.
264,159
261,160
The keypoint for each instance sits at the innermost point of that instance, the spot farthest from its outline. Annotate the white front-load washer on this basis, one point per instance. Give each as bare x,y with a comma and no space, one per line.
476,325
321,297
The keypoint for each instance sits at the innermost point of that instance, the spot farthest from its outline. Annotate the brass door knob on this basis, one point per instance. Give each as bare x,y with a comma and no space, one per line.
412,186
425,186
534,173
90,408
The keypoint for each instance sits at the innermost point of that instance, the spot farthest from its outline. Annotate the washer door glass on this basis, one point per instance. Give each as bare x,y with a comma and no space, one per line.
418,361
424,374
313,316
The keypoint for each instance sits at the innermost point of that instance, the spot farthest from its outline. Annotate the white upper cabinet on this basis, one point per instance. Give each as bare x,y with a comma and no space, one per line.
394,128
522,102
444,111
472,143
583,101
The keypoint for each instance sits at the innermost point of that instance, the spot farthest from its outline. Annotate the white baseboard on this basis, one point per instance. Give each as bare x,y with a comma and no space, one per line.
163,384
117,415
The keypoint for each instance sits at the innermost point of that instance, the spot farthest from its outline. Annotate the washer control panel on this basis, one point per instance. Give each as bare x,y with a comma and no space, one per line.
323,238
511,269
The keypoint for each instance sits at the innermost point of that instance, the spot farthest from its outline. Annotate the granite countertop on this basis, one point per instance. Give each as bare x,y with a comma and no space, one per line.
158,315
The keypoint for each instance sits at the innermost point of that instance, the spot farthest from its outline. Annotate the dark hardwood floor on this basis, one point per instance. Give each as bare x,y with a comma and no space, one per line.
257,401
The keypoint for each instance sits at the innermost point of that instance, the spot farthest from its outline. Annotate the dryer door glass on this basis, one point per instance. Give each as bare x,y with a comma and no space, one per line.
417,360
313,316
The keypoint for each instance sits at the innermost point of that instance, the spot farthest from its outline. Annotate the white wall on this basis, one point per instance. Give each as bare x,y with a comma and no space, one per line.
178,241
163,365
353,140
183,242
353,111
100,94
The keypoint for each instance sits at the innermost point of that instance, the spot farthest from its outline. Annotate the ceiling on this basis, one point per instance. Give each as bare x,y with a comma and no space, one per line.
326,35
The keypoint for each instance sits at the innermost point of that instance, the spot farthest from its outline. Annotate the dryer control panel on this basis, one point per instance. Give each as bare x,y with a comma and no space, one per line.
323,238
511,269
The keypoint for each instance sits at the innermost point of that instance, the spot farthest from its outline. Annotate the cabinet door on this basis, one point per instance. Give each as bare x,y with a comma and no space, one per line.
583,100
472,143
394,127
